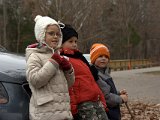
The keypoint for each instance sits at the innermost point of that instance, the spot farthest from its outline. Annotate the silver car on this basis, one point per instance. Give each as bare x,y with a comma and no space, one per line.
14,90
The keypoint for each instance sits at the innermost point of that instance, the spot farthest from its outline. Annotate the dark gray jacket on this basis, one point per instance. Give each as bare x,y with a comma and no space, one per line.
113,100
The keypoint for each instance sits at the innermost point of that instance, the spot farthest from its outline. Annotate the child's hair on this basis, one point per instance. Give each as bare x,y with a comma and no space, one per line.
97,50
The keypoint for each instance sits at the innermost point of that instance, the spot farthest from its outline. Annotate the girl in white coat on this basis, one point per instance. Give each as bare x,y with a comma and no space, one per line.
49,74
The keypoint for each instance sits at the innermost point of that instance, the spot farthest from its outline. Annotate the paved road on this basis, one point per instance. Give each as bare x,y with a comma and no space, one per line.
139,84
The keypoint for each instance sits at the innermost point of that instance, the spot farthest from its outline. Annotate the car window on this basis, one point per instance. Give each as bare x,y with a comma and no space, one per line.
3,95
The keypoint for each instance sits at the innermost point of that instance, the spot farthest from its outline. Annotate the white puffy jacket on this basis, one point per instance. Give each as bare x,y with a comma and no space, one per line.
49,85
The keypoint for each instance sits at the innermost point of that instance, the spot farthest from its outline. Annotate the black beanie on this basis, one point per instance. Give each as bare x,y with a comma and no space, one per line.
68,32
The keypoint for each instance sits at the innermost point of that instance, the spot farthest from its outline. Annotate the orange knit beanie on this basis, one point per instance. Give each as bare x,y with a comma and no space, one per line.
97,50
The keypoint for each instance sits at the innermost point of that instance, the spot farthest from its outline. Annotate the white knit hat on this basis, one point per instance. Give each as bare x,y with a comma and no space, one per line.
40,28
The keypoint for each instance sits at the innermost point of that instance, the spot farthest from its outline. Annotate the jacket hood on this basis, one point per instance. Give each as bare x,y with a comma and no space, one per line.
42,49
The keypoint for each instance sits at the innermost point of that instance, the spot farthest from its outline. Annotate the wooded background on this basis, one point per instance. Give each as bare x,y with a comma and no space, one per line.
130,28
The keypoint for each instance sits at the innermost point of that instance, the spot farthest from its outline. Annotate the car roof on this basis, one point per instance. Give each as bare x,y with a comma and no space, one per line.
12,67
87,56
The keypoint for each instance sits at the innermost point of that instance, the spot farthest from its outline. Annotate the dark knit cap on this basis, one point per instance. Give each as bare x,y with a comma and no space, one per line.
68,31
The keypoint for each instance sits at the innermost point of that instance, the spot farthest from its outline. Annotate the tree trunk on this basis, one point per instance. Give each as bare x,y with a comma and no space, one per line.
18,36
4,24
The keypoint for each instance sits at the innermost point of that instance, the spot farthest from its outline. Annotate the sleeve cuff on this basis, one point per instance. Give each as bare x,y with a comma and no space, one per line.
54,63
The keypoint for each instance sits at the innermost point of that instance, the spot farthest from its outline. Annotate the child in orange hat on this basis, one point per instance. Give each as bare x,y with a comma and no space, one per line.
99,56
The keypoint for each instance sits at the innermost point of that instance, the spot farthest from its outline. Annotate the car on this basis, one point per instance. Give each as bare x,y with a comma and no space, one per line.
14,89
87,56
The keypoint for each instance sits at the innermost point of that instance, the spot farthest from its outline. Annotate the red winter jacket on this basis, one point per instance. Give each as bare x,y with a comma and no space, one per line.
85,87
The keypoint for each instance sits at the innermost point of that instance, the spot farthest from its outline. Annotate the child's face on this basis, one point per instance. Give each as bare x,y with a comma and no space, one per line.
101,61
70,43
52,36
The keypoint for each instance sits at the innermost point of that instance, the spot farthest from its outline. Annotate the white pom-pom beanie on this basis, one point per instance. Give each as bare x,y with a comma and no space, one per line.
41,25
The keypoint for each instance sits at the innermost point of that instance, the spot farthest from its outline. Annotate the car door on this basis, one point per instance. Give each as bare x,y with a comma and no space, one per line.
14,99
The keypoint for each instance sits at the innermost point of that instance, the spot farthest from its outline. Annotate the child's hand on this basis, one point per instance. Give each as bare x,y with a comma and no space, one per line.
123,92
57,58
124,98
63,62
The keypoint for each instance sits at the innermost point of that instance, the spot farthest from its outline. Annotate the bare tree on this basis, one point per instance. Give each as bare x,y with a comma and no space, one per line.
120,19
84,16
17,15
125,26
4,23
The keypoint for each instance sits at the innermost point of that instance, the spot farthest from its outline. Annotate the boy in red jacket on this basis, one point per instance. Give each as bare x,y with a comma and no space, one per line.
87,100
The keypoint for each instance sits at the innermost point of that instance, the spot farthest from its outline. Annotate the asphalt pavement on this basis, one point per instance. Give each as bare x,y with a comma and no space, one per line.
141,84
